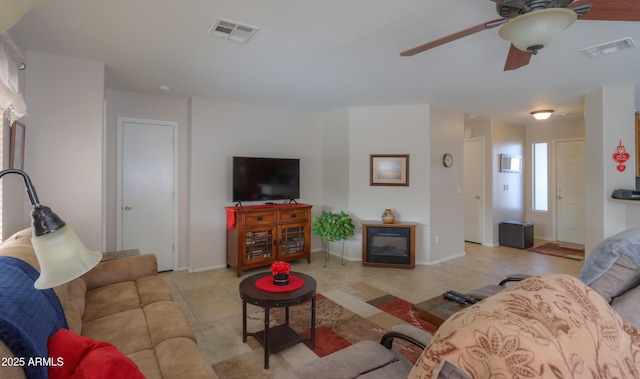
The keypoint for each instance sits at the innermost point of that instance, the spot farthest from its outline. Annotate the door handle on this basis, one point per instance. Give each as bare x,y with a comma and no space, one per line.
559,197
478,197
127,208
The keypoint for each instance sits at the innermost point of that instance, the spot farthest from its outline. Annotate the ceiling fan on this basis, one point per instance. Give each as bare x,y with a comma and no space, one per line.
530,25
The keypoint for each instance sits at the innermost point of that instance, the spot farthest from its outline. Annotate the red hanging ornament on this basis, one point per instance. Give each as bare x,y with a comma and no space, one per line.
621,156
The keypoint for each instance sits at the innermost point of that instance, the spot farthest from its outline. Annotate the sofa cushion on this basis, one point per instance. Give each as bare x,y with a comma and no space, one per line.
147,362
165,320
623,275
181,358
628,306
151,289
72,298
80,357
127,330
617,255
111,299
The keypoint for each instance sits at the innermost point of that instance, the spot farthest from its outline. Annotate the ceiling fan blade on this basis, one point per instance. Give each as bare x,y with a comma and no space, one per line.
517,58
453,37
607,10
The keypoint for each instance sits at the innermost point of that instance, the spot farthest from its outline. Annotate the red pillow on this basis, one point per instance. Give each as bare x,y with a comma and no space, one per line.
77,357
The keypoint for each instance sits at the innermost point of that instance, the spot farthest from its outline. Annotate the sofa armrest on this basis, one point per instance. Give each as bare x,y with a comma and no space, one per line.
409,333
121,270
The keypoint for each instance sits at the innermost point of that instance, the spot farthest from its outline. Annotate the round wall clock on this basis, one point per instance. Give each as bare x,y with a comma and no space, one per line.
447,160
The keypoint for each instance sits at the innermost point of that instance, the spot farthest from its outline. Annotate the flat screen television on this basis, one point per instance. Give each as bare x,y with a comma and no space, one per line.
265,179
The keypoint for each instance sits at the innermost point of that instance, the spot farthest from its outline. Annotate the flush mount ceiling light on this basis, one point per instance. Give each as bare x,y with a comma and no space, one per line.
537,29
542,115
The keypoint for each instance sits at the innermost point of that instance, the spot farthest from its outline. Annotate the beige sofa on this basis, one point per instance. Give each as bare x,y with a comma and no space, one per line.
123,302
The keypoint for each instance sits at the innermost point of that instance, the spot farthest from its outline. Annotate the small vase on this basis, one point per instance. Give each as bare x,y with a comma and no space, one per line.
281,279
388,217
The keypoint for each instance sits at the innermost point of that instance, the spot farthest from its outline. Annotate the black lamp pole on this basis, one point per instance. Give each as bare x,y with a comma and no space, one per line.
43,220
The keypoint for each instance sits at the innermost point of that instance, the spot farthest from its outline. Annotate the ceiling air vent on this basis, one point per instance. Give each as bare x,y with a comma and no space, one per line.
609,47
231,30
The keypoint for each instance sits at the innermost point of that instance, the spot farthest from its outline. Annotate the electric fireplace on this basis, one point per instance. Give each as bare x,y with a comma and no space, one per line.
388,245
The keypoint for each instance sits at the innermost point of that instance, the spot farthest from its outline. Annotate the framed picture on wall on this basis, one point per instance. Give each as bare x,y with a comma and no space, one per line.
16,148
389,170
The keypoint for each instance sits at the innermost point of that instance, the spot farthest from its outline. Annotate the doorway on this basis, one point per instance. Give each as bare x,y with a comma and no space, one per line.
147,189
570,191
473,189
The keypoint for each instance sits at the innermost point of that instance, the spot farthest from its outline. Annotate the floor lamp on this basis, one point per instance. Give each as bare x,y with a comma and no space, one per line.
61,254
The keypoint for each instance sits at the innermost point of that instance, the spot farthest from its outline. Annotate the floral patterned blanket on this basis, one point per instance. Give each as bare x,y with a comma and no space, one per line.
549,326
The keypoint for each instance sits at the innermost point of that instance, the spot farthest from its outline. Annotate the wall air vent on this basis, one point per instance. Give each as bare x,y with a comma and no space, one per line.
231,30
609,47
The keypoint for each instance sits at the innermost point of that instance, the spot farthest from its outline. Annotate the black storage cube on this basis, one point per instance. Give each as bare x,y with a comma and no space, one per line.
516,234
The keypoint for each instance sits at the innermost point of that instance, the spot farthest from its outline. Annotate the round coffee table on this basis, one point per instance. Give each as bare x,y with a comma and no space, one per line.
281,336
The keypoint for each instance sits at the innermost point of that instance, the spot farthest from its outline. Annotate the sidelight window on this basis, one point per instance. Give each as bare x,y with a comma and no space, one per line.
540,177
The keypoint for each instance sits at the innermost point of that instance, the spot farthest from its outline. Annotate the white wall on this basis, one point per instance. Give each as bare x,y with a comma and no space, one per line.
389,130
609,119
220,130
446,186
64,151
335,158
150,107
508,188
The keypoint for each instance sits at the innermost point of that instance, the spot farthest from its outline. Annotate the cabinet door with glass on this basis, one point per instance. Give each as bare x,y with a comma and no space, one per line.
293,240
258,245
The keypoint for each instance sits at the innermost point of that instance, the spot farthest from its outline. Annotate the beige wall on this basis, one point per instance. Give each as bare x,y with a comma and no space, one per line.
64,144
508,188
389,130
446,185
220,130
609,119
335,158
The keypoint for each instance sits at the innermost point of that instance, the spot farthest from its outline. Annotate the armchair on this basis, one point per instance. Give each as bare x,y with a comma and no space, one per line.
365,359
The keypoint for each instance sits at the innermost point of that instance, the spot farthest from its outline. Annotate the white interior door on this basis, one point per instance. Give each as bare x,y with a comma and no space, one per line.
147,187
473,161
570,183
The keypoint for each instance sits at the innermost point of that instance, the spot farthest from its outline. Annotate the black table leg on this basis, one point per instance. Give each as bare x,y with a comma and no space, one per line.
244,321
313,323
266,337
286,315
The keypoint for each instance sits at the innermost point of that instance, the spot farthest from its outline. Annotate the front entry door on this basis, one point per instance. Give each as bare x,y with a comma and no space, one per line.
570,183
146,189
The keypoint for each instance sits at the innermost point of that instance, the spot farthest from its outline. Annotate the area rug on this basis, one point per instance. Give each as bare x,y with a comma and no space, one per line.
560,250
343,317
338,327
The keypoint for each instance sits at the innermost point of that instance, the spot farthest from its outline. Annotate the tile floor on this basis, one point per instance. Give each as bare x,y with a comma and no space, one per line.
213,307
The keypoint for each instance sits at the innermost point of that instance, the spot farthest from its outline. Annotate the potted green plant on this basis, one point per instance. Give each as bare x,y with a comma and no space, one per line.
333,227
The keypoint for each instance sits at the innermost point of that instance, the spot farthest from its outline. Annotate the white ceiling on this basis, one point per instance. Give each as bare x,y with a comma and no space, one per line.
326,54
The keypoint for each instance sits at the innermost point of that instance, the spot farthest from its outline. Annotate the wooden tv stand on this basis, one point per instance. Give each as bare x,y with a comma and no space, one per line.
257,236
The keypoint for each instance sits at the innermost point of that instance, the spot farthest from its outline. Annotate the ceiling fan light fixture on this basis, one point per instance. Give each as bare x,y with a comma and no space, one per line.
534,30
542,115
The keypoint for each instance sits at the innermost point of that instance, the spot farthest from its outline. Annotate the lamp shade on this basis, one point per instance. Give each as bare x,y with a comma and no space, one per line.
13,10
62,257
534,30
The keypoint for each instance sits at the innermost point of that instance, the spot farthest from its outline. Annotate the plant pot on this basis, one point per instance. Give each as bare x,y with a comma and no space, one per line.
281,279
